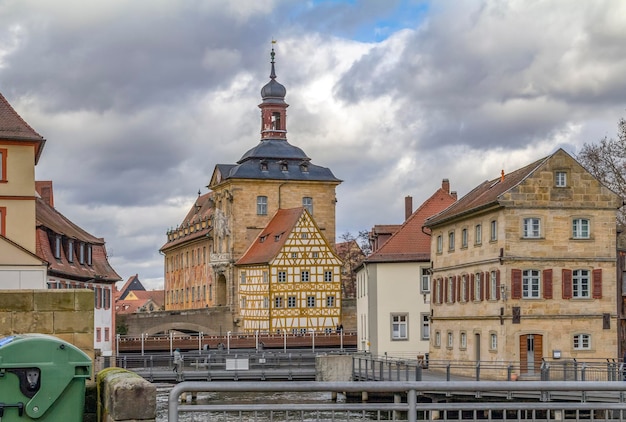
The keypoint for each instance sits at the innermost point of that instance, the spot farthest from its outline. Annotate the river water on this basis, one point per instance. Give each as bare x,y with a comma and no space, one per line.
247,398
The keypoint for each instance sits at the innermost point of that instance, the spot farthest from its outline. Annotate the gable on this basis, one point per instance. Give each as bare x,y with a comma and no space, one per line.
14,255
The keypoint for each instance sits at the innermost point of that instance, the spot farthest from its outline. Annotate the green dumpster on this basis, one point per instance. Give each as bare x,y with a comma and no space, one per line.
42,378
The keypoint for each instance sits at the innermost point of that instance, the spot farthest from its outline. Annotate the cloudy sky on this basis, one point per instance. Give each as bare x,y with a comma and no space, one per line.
139,99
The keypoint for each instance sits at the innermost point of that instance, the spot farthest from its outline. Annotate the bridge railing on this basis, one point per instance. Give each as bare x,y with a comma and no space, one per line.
413,401
367,367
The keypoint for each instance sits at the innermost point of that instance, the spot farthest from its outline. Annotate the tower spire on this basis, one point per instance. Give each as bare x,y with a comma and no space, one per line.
273,108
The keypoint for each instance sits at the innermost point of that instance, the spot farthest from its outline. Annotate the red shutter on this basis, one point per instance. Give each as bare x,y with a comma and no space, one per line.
597,283
482,286
516,284
497,284
567,284
472,290
547,284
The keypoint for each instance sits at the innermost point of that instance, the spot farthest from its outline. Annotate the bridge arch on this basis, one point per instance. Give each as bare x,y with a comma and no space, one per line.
184,327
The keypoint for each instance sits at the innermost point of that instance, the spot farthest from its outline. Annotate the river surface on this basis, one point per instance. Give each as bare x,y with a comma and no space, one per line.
247,398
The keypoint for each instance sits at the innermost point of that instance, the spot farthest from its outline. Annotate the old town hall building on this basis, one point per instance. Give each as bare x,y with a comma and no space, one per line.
201,254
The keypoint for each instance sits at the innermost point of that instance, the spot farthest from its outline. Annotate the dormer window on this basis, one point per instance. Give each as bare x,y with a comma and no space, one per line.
262,239
264,165
304,167
70,250
89,254
284,166
57,246
81,253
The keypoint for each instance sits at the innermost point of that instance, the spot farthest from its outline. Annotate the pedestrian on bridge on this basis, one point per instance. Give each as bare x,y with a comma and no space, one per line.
178,361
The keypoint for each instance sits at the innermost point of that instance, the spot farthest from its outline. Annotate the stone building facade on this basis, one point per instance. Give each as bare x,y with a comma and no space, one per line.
524,269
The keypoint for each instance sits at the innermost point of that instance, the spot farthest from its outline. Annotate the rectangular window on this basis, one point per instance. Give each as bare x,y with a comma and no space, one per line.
439,244
425,280
437,339
261,205
451,241
582,342
493,235
266,302
580,228
243,302
532,228
310,301
291,301
425,332
399,327
531,281
243,277
580,284
81,253
478,234
278,302
330,301
463,288
89,254
307,202
294,254
57,246
493,343
560,179
98,334
450,287
463,342
493,286
106,334
464,238
450,340
328,276
304,276
282,276
3,165
316,255
477,287
266,278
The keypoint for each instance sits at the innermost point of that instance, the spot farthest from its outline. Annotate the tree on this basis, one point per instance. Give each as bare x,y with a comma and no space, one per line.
352,250
606,160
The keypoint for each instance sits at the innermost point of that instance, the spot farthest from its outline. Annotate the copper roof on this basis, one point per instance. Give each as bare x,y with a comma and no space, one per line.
272,238
484,195
14,128
410,243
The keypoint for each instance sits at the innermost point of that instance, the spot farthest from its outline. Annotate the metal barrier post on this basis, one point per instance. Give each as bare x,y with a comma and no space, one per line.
478,371
448,372
411,400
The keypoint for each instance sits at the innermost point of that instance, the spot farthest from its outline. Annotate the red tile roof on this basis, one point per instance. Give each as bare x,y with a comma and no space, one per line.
14,128
272,238
50,222
410,243
144,298
485,195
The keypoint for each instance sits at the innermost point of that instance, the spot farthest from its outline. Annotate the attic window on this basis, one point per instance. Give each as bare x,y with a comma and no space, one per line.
277,237
284,166
70,250
304,167
264,165
262,238
57,246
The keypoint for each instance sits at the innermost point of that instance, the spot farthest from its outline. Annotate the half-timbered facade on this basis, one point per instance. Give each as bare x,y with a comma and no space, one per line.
524,268
289,278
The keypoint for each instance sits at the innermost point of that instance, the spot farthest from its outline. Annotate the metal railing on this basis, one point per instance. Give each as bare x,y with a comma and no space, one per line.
366,367
412,401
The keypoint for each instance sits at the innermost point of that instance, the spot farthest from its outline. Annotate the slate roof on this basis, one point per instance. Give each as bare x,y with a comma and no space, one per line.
272,238
133,284
410,243
273,153
14,128
50,222
485,195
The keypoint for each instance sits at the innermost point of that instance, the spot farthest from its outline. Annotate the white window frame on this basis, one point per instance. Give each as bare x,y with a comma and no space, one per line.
330,301
580,228
439,244
477,286
463,288
310,301
278,302
305,276
328,276
261,205
463,340
532,228
493,234
581,284
493,285
531,284
425,281
451,240
581,341
425,328
307,203
450,343
243,278
292,301
560,179
282,276
493,341
399,327
437,338
478,234
464,238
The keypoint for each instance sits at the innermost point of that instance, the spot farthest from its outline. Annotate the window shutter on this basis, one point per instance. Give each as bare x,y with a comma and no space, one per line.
472,289
547,284
482,286
454,289
434,292
597,283
467,290
567,284
497,284
446,293
516,284
441,290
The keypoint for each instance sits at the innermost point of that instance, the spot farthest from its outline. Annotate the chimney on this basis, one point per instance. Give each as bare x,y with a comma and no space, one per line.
408,207
445,185
453,194
44,189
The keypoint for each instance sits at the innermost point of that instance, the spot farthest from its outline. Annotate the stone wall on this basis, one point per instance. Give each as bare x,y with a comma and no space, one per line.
66,314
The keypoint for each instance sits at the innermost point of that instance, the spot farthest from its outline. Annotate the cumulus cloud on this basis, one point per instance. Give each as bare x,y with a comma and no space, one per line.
139,100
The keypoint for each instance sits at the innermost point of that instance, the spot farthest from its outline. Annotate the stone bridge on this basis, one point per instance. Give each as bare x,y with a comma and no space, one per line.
214,320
